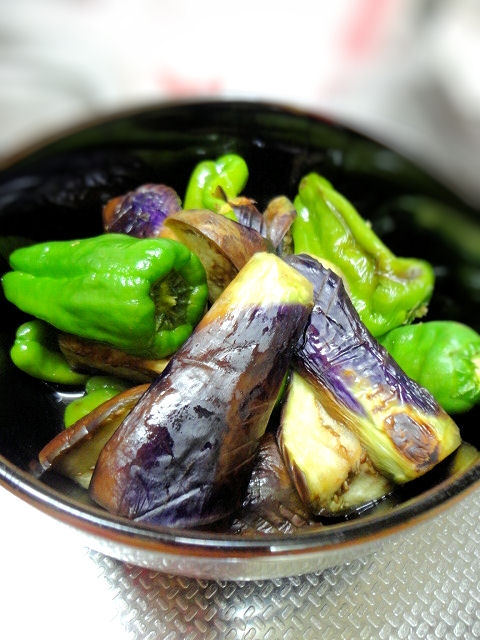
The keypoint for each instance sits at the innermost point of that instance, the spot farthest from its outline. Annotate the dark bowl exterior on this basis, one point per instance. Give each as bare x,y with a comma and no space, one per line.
57,191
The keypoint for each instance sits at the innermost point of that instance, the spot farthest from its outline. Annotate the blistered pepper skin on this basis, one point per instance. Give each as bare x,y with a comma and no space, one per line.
402,427
142,296
387,291
213,182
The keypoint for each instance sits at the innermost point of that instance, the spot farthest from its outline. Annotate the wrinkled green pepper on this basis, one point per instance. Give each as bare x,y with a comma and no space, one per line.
142,296
213,182
98,389
441,355
387,291
36,352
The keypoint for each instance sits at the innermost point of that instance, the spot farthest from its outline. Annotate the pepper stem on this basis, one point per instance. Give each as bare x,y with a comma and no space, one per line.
170,296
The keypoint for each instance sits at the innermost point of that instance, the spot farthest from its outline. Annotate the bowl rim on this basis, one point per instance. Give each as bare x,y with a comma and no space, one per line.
100,523
355,532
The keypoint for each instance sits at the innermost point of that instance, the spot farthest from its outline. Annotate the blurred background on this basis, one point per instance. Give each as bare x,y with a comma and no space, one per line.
405,70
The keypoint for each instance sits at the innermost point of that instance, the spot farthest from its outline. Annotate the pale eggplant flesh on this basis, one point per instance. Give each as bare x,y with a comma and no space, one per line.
74,452
329,467
402,427
184,455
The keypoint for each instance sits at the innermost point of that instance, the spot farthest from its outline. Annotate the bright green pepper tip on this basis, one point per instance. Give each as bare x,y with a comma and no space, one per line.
441,355
98,390
213,182
36,352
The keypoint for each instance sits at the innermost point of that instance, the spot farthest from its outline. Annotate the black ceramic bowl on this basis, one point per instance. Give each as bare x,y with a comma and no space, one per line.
57,191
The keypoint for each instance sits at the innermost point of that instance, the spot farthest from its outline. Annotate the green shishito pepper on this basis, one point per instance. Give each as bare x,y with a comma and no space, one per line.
213,182
441,355
387,291
36,352
98,389
142,296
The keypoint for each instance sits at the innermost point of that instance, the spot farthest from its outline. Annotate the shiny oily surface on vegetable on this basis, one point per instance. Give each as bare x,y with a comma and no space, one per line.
54,194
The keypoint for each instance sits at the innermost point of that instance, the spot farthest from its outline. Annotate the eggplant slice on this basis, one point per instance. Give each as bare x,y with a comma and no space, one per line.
183,457
272,504
329,466
402,427
74,451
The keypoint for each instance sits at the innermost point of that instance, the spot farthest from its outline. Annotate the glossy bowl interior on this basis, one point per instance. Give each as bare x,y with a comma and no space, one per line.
57,191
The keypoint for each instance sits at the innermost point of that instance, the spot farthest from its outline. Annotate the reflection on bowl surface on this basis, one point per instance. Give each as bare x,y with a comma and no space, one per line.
57,192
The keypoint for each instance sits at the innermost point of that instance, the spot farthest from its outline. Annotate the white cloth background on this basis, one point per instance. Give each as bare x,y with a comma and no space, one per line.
405,69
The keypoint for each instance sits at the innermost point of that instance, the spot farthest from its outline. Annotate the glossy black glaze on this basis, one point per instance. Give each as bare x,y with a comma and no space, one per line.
58,191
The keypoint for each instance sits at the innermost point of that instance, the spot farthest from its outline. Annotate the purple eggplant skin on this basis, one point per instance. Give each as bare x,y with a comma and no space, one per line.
248,215
184,455
141,212
279,216
402,427
271,504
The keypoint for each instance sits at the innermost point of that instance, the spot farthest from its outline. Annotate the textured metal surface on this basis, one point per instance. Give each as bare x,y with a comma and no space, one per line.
426,585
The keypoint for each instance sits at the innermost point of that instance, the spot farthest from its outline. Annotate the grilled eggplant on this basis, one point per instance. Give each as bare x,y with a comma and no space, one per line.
222,245
88,356
279,216
272,504
142,212
403,429
328,465
184,455
74,452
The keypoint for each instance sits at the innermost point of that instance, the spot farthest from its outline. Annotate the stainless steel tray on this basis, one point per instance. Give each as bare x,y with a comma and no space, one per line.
424,584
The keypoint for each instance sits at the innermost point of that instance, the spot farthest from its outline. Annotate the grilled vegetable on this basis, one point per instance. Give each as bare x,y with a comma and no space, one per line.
222,245
74,452
403,429
140,296
387,291
441,355
271,504
142,212
36,351
279,216
247,214
329,467
98,389
93,358
184,455
213,182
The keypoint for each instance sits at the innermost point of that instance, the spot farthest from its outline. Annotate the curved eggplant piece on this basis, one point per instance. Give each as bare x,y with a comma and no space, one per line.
142,212
87,356
271,504
248,215
222,245
402,427
279,216
184,456
328,465
74,452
